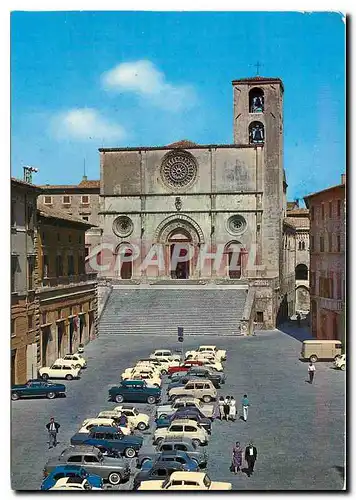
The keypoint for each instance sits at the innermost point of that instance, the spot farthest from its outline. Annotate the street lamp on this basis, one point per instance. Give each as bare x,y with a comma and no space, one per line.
27,173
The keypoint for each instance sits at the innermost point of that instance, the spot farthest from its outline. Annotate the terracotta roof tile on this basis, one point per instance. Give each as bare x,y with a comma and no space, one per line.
184,143
90,184
299,222
24,183
299,211
83,184
60,214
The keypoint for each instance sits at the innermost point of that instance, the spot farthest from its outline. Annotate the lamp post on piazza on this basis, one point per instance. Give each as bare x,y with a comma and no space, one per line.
181,338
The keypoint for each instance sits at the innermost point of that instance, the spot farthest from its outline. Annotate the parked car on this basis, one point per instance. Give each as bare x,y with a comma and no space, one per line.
200,389
177,457
208,373
219,354
152,379
160,366
165,353
157,472
182,428
180,382
184,366
71,471
129,373
37,387
89,423
113,470
169,408
77,360
209,360
161,470
175,445
59,370
184,480
138,420
73,484
115,416
135,391
111,438
189,413
340,362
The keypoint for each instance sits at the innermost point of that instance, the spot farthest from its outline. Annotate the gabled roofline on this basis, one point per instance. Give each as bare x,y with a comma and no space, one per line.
167,148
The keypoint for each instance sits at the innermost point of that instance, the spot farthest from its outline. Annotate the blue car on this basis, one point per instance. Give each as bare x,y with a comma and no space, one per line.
70,471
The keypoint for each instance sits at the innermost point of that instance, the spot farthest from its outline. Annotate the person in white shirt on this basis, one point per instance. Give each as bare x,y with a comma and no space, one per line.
232,410
311,371
52,428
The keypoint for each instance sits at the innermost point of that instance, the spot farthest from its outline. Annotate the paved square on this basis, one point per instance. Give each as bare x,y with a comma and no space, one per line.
298,429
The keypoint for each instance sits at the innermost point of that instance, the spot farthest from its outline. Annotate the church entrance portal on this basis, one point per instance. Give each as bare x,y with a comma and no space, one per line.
179,259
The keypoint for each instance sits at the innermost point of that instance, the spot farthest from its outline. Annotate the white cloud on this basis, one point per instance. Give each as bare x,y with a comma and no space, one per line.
85,124
144,79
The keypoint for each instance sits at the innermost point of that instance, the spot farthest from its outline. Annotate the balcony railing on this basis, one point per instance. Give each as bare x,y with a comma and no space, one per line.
68,280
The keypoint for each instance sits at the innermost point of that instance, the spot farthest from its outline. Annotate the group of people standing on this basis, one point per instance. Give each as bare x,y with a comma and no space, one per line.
225,408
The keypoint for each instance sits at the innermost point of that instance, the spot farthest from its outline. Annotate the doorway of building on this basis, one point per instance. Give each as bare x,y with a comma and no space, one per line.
71,333
234,259
126,265
45,339
60,333
178,249
13,366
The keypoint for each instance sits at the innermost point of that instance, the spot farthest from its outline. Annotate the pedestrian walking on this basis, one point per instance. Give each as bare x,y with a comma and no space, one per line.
245,404
52,428
311,371
227,407
221,407
250,457
232,409
298,320
236,458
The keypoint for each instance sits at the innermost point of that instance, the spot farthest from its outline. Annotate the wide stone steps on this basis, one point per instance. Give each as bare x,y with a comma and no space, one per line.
160,311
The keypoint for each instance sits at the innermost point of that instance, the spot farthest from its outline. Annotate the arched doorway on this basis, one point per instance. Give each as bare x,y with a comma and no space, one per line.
302,299
179,242
124,261
234,252
301,272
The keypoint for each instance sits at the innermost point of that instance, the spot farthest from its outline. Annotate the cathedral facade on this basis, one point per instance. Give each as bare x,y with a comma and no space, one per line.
206,214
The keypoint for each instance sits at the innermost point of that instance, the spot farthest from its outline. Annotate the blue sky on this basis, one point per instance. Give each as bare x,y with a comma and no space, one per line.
74,86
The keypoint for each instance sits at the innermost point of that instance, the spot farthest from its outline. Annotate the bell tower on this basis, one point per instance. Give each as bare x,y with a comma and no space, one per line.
258,121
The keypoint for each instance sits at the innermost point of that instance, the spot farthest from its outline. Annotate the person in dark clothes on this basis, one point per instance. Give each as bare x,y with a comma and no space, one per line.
236,458
123,420
52,428
227,407
250,457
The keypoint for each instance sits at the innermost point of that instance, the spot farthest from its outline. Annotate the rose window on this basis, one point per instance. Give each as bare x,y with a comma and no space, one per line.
236,224
123,226
179,170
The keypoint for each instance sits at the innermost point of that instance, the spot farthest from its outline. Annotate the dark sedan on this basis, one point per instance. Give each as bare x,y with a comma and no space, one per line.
35,388
189,413
159,472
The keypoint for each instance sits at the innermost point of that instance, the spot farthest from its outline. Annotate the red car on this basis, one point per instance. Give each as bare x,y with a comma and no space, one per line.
185,366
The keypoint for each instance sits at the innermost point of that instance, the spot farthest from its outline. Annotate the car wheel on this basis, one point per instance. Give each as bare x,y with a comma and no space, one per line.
141,426
151,400
119,398
206,399
144,460
15,396
163,415
51,395
196,442
313,358
79,367
195,461
156,385
45,376
69,377
164,372
343,367
129,453
114,478
159,441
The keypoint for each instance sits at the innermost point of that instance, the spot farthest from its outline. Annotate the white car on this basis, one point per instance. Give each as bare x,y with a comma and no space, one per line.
129,372
73,484
59,370
166,410
219,354
151,378
165,354
136,419
209,361
184,480
98,421
340,362
75,359
183,428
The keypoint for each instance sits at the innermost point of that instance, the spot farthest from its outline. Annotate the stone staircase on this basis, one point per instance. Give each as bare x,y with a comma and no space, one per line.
159,311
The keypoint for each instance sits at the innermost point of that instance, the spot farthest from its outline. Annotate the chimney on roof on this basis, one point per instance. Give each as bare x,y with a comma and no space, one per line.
343,178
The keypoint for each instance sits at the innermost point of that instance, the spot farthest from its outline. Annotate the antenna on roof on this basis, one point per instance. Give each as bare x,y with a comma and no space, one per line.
85,178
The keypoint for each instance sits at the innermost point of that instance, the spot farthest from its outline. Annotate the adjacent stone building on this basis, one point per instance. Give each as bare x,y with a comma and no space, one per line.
327,261
208,197
299,217
67,296
81,201
24,335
